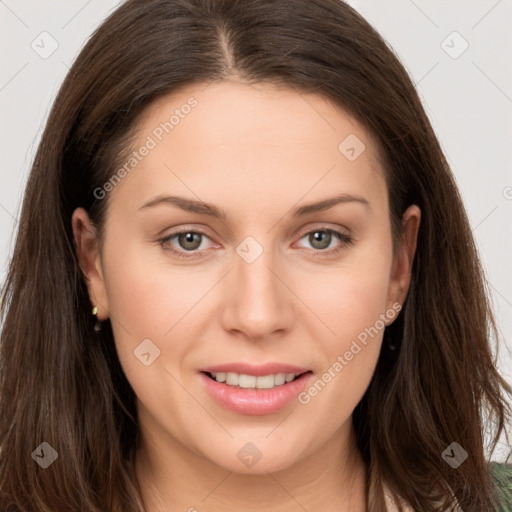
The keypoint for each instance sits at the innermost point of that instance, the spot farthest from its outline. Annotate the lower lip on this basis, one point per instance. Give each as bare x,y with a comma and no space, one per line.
255,401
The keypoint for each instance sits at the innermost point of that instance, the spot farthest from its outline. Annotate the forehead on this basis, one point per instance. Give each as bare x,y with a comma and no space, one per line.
258,143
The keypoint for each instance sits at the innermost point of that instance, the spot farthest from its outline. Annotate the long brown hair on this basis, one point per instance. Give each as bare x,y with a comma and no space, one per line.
62,383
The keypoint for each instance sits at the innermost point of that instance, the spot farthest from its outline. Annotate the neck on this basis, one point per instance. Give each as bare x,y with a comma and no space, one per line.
174,478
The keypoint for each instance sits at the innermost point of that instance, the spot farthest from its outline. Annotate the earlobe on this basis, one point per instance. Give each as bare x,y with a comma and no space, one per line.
87,249
404,256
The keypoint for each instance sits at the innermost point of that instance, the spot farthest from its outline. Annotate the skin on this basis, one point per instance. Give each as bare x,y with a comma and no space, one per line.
257,152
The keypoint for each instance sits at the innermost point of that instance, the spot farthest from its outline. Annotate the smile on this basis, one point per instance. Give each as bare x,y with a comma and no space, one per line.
254,390
242,380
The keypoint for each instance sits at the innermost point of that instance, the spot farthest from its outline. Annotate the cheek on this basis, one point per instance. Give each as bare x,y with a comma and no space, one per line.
148,294
351,298
351,302
349,356
148,300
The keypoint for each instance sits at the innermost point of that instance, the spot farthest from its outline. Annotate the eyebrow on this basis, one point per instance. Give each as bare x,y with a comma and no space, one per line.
202,208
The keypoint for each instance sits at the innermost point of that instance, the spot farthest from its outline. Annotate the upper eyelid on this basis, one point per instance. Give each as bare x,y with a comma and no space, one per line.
325,226
300,233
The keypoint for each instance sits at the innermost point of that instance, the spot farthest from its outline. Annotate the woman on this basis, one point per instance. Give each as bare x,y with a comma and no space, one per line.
197,158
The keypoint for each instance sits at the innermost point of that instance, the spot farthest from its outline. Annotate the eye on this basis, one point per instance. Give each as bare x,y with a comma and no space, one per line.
321,239
188,240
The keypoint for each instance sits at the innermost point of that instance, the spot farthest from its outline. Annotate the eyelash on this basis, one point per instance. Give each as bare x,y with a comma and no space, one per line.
344,239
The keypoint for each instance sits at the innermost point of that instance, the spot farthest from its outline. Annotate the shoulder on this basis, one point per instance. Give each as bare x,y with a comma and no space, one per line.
392,506
502,475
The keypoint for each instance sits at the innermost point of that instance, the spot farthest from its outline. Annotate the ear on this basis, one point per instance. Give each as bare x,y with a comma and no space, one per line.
400,277
87,248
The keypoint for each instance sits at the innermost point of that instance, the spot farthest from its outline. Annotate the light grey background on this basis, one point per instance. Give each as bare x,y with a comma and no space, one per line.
467,93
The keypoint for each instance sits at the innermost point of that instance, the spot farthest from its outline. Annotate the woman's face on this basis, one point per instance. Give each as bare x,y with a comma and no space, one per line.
257,284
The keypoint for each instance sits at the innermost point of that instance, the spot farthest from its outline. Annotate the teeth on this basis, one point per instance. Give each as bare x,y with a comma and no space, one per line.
265,381
246,381
279,379
253,381
232,379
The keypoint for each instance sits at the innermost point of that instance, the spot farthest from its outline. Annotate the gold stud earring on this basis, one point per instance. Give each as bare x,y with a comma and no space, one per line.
97,326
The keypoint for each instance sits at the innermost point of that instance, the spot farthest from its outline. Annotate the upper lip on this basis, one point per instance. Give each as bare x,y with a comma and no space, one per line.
253,369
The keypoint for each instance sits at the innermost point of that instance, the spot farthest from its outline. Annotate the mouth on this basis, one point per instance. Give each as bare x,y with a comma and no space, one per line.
247,381
260,391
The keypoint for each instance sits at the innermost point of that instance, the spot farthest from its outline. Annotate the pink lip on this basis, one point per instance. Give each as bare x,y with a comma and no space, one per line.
255,401
257,370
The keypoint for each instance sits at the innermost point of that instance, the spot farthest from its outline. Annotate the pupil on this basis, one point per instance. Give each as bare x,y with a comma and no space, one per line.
321,236
188,238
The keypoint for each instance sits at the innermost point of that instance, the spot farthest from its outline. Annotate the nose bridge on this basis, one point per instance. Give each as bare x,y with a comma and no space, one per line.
252,269
258,299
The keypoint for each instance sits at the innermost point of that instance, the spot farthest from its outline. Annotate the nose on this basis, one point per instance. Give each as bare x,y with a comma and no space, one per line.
258,302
